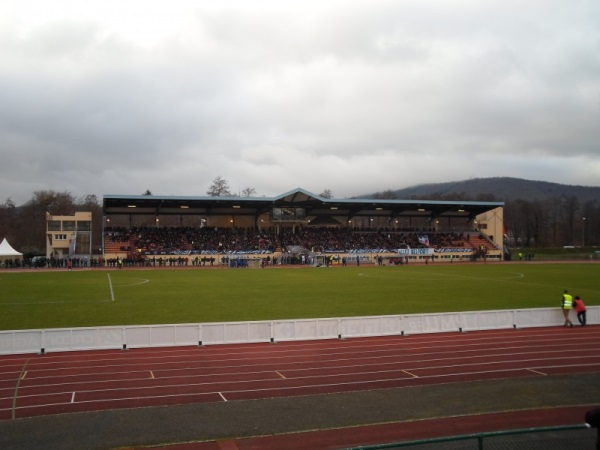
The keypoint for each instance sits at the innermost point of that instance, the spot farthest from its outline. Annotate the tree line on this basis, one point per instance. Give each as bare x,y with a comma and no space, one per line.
555,221
552,222
25,226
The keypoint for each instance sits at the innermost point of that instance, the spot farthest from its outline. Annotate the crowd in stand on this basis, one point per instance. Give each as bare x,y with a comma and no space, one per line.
187,240
183,246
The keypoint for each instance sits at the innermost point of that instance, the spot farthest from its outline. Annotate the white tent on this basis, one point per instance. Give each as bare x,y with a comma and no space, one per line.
7,252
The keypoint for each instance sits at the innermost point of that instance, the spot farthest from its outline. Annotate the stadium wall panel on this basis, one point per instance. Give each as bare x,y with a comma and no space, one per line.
177,335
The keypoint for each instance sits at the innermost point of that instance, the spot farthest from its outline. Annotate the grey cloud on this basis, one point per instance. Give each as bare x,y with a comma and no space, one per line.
341,95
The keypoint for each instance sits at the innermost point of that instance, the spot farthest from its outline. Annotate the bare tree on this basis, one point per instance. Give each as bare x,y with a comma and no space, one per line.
9,203
32,231
219,188
571,208
8,219
248,192
387,194
326,193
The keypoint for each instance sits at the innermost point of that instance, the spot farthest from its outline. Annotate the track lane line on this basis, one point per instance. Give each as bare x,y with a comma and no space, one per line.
367,362
233,371
203,364
295,357
231,386
16,394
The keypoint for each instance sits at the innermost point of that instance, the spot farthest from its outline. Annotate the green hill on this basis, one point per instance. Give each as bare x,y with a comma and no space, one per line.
498,188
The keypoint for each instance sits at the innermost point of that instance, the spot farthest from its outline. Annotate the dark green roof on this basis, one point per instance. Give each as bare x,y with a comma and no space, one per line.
314,205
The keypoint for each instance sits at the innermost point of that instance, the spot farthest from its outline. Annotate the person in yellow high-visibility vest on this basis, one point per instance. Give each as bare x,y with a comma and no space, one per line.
567,305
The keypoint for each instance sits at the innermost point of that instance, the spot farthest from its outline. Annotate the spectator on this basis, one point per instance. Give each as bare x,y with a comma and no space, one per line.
581,310
567,305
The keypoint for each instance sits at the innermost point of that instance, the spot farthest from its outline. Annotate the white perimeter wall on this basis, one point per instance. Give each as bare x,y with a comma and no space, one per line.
119,337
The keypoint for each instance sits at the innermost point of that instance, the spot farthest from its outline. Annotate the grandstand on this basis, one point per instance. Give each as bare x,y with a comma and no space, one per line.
296,227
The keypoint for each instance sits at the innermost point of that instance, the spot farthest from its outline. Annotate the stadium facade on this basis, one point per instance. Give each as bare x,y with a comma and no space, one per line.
299,209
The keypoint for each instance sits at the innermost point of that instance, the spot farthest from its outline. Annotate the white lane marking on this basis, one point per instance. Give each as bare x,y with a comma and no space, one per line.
142,281
112,293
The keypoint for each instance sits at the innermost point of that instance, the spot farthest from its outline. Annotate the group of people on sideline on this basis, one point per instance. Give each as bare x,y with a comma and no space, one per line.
569,303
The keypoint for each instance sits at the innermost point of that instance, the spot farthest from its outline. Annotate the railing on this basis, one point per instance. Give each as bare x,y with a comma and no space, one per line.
546,438
141,336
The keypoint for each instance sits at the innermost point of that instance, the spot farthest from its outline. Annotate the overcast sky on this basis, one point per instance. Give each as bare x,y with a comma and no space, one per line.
124,96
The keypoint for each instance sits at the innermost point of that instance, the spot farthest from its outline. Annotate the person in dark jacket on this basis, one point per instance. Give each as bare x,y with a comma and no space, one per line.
579,307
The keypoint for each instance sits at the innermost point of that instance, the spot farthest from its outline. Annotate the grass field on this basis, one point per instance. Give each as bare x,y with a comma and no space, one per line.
79,298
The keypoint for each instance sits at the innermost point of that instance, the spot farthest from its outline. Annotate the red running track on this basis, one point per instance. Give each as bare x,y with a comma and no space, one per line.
33,385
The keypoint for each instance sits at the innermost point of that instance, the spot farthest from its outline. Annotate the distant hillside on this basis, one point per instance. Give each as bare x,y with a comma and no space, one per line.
501,188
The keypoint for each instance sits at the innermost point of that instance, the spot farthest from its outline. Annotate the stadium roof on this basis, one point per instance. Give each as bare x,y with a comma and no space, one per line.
314,205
